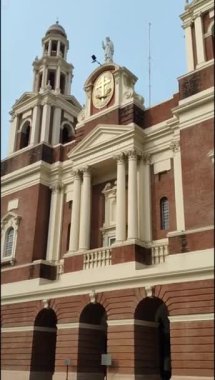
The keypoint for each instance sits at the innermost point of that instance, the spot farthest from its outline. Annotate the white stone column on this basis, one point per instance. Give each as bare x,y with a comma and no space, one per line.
58,48
132,195
147,225
57,87
49,48
85,216
189,47
44,77
199,40
56,126
179,199
35,125
68,83
55,223
45,123
120,200
35,80
13,133
75,215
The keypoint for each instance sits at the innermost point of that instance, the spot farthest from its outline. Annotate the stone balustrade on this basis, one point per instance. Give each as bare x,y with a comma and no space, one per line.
159,252
95,258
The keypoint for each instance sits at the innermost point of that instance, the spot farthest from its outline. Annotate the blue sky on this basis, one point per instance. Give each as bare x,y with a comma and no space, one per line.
87,23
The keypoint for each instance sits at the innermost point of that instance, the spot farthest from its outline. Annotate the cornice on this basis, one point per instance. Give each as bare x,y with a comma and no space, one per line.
108,279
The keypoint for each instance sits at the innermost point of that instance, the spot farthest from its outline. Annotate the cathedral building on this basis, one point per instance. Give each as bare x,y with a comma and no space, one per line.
107,221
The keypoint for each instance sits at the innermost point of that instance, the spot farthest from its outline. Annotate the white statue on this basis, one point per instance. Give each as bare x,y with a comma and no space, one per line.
109,50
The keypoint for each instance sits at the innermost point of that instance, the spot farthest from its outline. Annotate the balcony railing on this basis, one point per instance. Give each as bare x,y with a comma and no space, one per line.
95,258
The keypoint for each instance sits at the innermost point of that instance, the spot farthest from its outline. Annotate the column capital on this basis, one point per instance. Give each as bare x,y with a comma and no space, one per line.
86,170
146,157
76,173
119,157
175,146
56,187
132,154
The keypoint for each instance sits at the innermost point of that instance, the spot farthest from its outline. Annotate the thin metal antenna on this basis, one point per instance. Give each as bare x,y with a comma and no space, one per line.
149,65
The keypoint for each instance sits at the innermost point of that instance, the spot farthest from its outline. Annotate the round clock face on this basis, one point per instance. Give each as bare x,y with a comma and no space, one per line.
103,89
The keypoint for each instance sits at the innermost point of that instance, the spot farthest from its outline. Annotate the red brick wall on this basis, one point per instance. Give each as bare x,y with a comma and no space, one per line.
192,347
160,112
187,338
162,185
33,208
16,350
197,174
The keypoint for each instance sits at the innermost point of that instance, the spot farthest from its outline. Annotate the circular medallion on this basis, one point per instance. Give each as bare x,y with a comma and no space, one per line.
103,89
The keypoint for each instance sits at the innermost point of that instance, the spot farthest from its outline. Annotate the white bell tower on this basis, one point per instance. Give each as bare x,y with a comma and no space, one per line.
48,114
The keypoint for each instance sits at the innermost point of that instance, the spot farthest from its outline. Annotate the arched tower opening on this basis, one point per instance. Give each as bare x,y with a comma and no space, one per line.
25,135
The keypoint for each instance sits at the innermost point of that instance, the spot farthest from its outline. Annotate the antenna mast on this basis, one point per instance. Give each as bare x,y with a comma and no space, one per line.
149,65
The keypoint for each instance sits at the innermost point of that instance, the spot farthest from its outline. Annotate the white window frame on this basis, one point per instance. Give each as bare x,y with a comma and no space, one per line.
10,220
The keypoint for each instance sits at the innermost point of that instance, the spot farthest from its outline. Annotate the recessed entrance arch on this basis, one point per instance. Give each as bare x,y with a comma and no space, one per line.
44,346
152,340
92,343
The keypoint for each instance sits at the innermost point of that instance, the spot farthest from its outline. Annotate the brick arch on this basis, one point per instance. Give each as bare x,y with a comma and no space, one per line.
110,301
43,344
40,305
92,341
152,337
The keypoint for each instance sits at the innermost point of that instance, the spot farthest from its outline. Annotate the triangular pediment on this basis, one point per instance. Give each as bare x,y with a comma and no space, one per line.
23,98
101,137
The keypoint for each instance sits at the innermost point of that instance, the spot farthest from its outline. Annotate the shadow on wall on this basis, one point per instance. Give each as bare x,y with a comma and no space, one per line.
44,346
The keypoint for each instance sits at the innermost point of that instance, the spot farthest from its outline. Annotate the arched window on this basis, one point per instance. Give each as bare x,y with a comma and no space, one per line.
25,134
9,228
164,213
8,249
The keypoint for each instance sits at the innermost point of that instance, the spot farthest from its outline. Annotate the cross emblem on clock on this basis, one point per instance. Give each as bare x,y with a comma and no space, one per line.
103,89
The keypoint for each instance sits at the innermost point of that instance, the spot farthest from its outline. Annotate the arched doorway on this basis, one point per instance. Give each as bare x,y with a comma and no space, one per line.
92,343
44,345
152,340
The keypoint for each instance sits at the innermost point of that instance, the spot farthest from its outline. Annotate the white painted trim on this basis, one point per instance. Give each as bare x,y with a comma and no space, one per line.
192,378
131,322
191,318
27,328
193,231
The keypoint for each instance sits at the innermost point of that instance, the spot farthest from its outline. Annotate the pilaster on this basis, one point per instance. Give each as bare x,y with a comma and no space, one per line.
55,222
75,215
85,216
132,195
120,200
189,47
35,125
13,132
45,123
199,39
147,223
56,126
179,200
